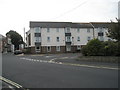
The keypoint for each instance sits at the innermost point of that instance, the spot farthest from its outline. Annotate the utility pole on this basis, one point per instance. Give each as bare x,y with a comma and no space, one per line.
24,34
93,30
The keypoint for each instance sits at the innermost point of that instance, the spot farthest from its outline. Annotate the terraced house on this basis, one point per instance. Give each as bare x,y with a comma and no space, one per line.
61,37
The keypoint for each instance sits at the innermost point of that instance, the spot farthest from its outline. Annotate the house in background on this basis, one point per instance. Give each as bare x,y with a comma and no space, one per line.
5,44
61,37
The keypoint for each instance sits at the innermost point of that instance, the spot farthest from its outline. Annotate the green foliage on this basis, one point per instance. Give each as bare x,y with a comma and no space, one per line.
16,38
98,48
92,48
114,31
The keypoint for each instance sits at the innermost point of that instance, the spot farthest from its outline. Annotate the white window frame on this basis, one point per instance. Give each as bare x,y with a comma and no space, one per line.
57,29
58,48
68,38
48,40
37,30
48,30
58,39
48,50
68,49
37,39
78,39
78,47
88,30
88,38
37,50
78,30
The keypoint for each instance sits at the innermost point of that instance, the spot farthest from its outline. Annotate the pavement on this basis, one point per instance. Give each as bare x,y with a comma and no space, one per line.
57,71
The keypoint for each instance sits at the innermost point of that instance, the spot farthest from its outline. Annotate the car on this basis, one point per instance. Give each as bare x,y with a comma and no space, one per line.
18,52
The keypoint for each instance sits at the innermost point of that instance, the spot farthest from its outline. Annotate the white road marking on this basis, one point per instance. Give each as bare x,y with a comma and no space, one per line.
82,65
10,82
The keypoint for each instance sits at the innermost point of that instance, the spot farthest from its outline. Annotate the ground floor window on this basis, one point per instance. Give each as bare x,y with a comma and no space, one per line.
37,48
79,47
57,48
48,48
68,48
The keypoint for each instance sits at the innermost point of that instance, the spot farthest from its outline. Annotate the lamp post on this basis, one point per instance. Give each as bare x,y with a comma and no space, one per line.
93,30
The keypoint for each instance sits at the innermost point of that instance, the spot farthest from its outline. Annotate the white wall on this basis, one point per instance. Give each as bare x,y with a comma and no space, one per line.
83,34
52,34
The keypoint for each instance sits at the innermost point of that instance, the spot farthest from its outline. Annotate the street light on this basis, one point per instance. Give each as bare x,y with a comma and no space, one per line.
93,30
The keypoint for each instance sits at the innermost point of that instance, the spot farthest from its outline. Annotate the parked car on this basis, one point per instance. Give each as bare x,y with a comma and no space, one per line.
18,52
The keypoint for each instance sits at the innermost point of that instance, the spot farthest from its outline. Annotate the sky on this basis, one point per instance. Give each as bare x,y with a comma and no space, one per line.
16,14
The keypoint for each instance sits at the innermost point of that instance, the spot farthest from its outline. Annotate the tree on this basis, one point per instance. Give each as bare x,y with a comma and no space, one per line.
16,38
92,48
114,31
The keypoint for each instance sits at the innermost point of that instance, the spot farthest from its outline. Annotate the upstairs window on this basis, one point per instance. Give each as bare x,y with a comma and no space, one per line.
78,38
57,29
67,30
37,29
78,30
88,30
68,39
88,38
48,30
37,39
57,39
100,34
48,39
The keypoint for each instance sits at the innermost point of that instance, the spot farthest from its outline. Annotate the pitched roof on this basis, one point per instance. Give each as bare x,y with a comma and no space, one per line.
67,24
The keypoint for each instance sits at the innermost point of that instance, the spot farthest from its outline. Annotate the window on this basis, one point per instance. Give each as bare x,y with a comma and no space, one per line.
68,39
48,39
88,38
78,30
37,48
68,48
48,30
67,30
37,29
37,39
57,39
88,30
57,48
57,29
100,34
78,38
78,47
48,48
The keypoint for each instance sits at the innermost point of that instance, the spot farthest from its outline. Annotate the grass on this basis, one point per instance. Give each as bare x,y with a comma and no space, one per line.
107,59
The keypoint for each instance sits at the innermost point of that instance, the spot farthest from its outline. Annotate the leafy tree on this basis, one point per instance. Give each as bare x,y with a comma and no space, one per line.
114,31
16,38
92,48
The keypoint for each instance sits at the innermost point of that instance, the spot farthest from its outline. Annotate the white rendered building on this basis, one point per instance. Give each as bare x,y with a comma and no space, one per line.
61,37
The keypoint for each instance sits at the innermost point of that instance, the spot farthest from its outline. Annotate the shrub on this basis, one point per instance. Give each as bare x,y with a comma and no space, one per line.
98,48
92,48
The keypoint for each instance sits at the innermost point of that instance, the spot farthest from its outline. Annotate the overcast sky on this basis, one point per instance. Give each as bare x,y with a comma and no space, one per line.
16,14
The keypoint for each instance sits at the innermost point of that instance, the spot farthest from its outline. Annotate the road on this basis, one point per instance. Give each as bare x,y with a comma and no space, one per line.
40,72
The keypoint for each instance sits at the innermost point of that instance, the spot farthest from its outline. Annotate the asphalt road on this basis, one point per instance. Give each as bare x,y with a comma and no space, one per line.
40,72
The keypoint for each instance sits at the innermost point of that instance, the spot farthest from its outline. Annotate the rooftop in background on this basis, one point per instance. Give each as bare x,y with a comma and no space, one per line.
50,24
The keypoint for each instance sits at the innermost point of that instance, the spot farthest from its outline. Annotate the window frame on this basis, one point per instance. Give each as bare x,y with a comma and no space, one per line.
58,50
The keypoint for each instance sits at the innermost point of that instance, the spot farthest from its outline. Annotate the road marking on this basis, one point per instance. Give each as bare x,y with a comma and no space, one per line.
10,82
82,65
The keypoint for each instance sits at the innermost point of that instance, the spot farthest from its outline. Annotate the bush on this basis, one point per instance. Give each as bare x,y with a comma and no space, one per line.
92,48
98,48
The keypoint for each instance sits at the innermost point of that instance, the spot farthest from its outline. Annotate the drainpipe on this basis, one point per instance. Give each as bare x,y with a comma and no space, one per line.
93,30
